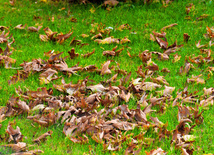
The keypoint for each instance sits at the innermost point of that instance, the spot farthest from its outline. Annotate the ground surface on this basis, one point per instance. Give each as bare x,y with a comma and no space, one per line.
168,110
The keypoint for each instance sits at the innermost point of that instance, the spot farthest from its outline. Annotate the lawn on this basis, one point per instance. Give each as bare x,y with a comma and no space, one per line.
130,79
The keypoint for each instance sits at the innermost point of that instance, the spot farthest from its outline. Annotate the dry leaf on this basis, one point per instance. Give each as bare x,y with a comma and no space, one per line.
163,44
15,135
105,68
34,29
168,26
43,137
186,37
20,26
111,3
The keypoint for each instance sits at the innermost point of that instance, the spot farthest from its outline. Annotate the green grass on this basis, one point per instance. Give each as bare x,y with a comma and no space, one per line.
143,19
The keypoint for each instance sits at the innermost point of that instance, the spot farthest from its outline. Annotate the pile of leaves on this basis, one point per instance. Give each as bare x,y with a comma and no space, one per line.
100,111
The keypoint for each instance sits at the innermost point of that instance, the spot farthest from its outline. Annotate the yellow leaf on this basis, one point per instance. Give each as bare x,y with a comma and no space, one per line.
92,10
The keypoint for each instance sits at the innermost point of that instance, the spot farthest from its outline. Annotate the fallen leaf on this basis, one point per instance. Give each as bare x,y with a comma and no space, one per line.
31,152
62,37
72,19
20,26
88,54
72,53
43,37
105,68
20,146
198,45
163,44
111,2
186,37
43,137
166,91
34,29
168,26
196,79
189,7
160,80
150,86
108,40
15,135
125,40
85,35
145,56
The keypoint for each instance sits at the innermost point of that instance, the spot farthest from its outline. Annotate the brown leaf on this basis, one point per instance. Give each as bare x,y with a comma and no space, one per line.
64,68
152,66
196,79
72,19
163,44
208,91
23,106
108,40
166,70
105,68
50,33
62,37
176,58
34,29
85,35
111,3
20,26
124,27
97,36
162,56
125,96
15,135
181,126
152,38
109,53
150,86
140,116
159,35
20,146
156,121
145,56
198,45
112,79
43,37
129,54
31,152
160,80
79,140
88,54
20,76
186,37
125,40
90,68
75,42
189,7
168,26
6,61
186,68
202,17
54,57
72,53
3,37
166,91
43,137
48,74
97,88
121,125
158,151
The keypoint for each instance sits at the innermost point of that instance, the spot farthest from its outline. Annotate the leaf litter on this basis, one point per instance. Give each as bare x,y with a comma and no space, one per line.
104,114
